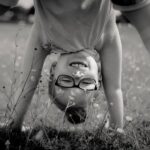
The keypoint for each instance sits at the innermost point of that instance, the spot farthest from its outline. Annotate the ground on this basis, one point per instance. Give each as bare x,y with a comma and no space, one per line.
135,84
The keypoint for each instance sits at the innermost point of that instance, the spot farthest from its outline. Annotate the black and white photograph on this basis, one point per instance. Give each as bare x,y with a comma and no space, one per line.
74,74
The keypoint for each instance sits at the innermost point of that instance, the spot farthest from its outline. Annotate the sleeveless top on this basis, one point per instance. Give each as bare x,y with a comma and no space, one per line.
69,27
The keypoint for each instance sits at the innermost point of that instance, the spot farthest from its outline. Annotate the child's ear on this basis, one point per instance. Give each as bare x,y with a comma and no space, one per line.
51,78
51,87
52,69
99,79
99,84
99,70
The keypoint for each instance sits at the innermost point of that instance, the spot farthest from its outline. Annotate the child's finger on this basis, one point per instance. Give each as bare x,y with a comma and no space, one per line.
86,3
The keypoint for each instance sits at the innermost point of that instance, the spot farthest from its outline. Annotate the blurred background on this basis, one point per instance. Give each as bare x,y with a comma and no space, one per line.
25,12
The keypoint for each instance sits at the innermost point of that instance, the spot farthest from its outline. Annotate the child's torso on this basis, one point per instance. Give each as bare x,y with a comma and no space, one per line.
64,23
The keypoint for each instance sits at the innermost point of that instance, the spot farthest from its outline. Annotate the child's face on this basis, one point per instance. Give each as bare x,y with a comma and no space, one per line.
79,73
78,66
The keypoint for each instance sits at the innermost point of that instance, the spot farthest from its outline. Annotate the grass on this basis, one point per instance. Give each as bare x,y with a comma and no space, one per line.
59,134
135,138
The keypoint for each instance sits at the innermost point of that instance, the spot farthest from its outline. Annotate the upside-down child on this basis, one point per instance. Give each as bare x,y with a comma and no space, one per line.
77,36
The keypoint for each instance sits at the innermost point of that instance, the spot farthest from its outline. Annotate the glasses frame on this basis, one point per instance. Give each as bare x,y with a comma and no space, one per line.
74,84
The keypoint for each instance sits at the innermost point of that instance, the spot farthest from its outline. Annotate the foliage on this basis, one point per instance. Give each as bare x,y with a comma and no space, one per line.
136,87
136,137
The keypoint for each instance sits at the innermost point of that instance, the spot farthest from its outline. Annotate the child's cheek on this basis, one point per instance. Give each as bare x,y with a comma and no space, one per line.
72,97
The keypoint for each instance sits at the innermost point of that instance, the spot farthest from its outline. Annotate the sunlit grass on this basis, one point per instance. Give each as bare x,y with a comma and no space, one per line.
58,133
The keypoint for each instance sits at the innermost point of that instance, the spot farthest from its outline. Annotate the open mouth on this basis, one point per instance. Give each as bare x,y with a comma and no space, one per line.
78,64
76,115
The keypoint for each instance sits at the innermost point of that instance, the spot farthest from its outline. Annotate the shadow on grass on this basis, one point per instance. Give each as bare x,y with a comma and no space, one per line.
136,137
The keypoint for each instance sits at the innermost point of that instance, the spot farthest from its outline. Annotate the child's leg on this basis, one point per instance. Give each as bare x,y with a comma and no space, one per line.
33,63
141,20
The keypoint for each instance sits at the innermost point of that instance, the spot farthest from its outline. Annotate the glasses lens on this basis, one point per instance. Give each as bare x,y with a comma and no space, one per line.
65,81
87,84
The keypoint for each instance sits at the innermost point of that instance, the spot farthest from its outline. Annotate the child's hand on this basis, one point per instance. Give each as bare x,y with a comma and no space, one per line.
118,131
86,3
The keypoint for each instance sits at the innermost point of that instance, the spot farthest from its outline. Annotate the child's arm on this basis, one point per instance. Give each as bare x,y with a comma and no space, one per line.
111,59
5,5
33,63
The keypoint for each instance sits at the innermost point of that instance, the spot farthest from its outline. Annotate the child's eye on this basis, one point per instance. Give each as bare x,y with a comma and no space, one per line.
66,80
88,81
88,84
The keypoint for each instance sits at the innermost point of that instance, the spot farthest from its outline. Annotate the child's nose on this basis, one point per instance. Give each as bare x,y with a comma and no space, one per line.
78,74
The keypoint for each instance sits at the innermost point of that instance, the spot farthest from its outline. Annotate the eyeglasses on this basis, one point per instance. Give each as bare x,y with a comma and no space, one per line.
66,81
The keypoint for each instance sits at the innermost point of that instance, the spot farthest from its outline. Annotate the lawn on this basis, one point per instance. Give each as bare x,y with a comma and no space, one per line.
135,84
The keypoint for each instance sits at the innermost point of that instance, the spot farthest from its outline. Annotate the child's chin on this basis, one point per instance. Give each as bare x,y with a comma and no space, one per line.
76,115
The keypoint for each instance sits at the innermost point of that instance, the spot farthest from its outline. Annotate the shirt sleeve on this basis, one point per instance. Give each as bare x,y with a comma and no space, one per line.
9,2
